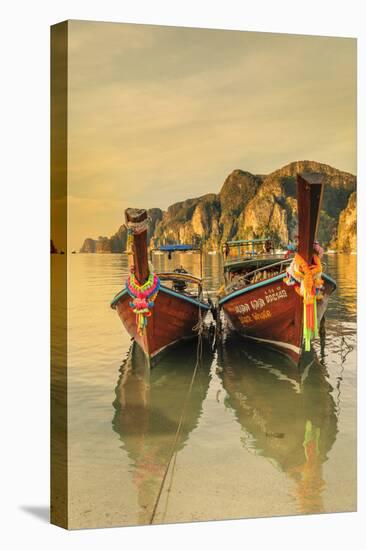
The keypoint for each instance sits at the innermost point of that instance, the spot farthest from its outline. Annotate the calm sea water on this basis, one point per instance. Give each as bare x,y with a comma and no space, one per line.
257,437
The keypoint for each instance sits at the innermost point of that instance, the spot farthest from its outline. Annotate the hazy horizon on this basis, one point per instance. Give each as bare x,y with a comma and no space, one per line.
162,114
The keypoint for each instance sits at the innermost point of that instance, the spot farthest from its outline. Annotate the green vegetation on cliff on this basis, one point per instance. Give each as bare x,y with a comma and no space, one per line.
346,235
250,206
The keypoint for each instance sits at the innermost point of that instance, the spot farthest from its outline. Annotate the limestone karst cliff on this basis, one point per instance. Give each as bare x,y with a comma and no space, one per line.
346,238
118,241
248,206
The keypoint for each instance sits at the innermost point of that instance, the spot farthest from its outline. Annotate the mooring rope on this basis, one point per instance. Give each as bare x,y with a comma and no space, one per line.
180,423
343,355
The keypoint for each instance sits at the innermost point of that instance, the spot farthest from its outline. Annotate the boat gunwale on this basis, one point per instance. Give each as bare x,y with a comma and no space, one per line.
167,291
248,288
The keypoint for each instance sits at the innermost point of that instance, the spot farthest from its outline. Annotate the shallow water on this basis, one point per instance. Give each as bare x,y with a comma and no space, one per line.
257,437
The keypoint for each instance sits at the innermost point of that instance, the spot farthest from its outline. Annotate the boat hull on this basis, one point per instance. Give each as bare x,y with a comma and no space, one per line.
270,312
173,319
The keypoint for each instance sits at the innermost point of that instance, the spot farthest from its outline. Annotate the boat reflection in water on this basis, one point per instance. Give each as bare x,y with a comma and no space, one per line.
148,408
287,414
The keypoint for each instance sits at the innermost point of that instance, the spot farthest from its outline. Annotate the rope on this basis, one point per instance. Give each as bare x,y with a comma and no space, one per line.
170,485
343,355
198,359
180,423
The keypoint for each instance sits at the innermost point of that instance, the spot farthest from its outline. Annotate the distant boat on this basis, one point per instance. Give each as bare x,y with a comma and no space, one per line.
260,299
213,252
159,315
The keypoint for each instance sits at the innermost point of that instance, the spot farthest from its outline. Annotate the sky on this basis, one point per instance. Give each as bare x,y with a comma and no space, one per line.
161,114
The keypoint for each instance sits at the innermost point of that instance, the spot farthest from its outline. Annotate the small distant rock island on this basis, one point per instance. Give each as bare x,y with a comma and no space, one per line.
250,206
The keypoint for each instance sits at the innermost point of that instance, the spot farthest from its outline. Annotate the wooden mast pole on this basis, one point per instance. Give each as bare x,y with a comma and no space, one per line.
309,198
137,223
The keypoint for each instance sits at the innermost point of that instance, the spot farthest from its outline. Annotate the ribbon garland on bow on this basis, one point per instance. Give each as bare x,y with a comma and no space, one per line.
308,284
143,298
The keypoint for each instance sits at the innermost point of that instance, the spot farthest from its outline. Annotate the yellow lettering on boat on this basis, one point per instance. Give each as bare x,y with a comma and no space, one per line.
246,319
275,296
266,314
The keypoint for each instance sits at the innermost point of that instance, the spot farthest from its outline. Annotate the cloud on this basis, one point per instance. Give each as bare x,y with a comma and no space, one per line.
157,114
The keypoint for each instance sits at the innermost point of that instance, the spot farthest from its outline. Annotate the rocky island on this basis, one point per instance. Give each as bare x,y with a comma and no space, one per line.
250,206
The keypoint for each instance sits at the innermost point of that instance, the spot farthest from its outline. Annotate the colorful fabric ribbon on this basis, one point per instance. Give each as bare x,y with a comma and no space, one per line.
143,298
308,284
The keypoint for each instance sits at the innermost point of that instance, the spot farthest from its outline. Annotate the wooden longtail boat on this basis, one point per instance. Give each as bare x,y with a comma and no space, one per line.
158,310
263,296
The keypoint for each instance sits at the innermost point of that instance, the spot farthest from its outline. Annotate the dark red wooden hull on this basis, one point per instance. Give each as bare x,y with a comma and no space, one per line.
271,313
172,319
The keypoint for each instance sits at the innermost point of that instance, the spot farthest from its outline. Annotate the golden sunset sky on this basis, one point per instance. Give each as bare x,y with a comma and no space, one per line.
161,114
